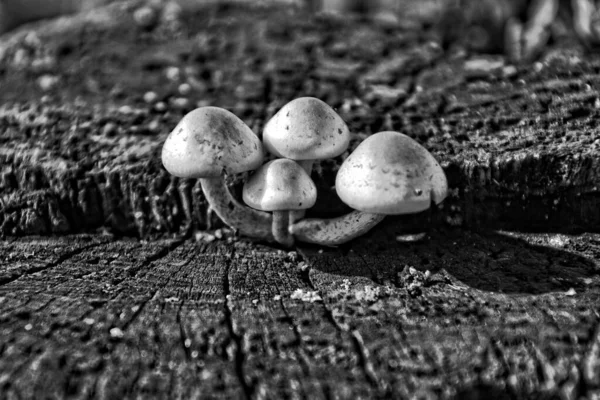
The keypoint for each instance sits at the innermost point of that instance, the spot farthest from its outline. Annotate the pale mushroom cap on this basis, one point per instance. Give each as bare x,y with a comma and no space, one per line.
306,129
390,173
208,141
279,185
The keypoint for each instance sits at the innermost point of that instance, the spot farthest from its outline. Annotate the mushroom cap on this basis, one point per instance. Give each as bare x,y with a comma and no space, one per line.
278,185
208,141
306,129
390,173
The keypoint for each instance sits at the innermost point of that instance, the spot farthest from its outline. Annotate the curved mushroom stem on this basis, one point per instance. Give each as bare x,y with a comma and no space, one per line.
247,221
280,228
335,231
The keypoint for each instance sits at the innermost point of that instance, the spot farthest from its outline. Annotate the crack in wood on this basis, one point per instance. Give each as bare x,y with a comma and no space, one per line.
543,368
498,351
139,309
366,363
590,364
305,364
5,280
249,388
358,344
157,255
183,336
8,311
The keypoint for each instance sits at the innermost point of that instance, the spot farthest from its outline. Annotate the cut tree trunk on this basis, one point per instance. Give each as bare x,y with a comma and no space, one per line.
80,147
131,308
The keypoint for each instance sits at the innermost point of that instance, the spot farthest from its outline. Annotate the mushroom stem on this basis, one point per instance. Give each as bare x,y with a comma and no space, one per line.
295,215
280,228
306,165
335,231
247,221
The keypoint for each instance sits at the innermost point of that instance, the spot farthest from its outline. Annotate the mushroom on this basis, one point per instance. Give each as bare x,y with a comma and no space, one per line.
388,173
210,143
306,129
280,186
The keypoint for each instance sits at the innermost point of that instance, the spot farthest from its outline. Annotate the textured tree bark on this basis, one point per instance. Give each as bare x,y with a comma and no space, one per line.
515,143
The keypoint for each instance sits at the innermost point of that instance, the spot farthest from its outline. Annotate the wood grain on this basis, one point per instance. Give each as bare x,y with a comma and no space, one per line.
91,316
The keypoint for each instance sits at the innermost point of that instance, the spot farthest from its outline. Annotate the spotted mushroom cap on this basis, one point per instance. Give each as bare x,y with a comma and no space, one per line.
390,173
208,141
306,129
279,185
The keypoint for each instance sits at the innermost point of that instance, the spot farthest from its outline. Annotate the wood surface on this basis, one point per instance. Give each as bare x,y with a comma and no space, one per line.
116,281
498,316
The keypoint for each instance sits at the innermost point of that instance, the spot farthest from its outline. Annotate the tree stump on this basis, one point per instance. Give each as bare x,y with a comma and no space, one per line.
103,294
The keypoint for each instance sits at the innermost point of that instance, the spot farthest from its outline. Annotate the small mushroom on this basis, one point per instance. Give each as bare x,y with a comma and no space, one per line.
280,186
306,129
209,143
388,173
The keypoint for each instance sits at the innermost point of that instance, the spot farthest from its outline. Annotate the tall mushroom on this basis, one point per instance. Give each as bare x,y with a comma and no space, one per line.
209,143
280,186
306,129
388,173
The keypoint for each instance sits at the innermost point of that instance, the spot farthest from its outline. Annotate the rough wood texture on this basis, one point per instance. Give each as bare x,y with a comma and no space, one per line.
79,146
499,315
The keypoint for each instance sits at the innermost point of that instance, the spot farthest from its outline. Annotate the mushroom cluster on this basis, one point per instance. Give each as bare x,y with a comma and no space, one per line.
388,173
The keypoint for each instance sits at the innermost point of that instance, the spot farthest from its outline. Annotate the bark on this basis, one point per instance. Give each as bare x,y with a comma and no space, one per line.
518,143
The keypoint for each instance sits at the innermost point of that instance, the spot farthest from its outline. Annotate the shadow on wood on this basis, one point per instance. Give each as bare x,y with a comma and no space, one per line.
484,392
492,261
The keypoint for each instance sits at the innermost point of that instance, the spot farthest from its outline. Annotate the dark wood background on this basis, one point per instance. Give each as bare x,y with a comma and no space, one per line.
116,281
